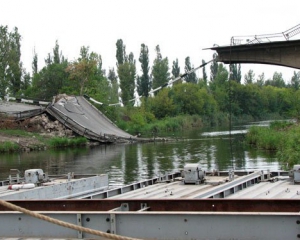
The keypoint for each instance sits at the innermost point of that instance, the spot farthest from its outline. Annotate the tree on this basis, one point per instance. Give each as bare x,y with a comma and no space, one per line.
4,59
235,72
121,53
190,78
221,76
260,80
160,69
113,78
56,54
15,64
162,105
186,99
175,69
82,70
34,63
249,77
276,81
220,79
144,80
214,68
126,72
26,81
10,61
204,75
295,81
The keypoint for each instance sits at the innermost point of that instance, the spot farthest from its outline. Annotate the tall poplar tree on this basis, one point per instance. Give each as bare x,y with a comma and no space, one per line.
10,61
190,78
175,69
126,71
261,80
144,80
249,77
204,75
214,68
121,52
14,72
4,59
235,72
160,69
113,78
295,81
34,63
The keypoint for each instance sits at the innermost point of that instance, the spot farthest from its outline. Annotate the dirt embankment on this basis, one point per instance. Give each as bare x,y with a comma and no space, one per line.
42,124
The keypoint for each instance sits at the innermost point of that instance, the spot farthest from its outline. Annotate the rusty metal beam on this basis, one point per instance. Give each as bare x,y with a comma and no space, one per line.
167,205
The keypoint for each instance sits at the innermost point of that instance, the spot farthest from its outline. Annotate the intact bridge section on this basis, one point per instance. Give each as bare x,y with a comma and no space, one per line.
282,53
263,49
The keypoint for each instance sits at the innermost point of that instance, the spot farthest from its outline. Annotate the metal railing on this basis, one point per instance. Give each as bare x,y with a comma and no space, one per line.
265,38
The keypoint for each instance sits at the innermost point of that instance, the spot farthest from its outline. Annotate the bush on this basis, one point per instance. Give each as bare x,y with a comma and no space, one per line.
283,137
9,146
60,142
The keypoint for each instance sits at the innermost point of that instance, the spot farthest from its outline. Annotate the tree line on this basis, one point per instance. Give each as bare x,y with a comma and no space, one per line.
225,92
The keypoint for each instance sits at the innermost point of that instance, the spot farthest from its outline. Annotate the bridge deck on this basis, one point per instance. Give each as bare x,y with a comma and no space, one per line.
281,53
84,119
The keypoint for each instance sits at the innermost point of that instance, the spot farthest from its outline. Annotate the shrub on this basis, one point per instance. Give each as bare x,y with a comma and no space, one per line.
9,146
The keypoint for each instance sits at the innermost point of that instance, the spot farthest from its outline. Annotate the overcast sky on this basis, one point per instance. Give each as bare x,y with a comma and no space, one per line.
180,27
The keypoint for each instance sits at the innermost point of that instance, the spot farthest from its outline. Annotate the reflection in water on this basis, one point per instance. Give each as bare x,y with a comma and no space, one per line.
224,133
133,162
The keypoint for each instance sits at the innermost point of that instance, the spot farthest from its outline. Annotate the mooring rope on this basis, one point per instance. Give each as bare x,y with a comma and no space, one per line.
62,223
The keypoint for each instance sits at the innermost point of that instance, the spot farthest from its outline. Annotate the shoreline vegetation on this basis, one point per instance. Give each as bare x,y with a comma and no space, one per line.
19,138
28,137
16,140
283,137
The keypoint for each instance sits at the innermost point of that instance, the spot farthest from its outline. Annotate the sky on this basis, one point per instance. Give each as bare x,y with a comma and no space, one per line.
182,28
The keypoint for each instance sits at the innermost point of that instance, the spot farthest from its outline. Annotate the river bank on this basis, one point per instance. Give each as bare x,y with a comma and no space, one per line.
36,133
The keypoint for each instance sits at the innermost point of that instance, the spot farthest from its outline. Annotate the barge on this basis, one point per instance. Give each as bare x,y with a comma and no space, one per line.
35,184
217,205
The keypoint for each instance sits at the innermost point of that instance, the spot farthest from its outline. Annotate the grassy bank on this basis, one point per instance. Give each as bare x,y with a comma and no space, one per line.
21,140
8,146
61,142
282,137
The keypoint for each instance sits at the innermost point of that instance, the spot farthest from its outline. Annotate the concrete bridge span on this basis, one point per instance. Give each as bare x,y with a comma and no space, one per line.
82,117
281,53
77,114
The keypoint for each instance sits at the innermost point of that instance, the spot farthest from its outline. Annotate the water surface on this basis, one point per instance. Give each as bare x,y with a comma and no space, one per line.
211,148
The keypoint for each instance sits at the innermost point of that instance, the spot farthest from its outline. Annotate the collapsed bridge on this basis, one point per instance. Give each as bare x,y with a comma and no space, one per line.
75,113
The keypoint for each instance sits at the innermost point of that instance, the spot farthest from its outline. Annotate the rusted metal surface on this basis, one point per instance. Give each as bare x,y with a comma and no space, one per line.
192,205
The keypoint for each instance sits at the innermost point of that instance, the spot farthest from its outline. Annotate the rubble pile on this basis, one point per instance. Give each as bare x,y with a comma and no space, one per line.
45,125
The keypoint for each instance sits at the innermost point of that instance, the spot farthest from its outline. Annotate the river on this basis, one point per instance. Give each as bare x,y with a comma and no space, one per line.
212,148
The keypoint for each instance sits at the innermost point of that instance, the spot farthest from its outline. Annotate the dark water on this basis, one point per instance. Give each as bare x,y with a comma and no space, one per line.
212,148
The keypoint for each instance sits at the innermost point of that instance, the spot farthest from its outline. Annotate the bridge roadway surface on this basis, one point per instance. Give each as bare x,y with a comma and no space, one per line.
19,111
86,120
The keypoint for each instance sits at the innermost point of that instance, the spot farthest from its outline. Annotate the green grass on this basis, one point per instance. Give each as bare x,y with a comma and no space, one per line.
166,125
44,141
61,142
9,146
282,137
